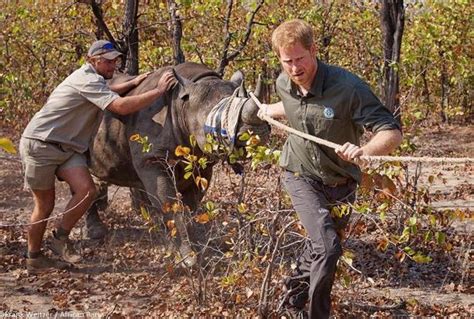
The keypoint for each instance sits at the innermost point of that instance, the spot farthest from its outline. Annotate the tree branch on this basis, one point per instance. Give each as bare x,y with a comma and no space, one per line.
226,58
101,23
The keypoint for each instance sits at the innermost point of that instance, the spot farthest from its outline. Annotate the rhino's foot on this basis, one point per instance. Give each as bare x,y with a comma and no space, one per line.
188,255
95,229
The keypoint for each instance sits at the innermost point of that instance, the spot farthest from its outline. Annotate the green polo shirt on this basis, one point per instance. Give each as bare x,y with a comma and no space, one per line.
337,108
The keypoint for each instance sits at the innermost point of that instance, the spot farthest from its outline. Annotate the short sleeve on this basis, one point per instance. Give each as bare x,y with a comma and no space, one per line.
98,93
369,112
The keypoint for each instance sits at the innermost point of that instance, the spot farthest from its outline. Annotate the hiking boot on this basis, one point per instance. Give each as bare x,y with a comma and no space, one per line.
64,248
95,229
43,263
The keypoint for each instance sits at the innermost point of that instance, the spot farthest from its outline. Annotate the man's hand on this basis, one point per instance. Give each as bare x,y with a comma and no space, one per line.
350,152
166,81
140,78
275,110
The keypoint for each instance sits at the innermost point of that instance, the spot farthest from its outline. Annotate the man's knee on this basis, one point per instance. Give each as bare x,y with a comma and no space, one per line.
88,191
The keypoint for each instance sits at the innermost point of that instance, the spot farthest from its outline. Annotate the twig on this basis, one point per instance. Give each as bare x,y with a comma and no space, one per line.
45,219
263,303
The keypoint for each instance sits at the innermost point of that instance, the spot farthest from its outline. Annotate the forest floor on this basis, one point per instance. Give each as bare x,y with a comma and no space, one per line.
132,273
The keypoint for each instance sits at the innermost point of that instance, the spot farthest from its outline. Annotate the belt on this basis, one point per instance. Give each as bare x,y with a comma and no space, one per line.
343,182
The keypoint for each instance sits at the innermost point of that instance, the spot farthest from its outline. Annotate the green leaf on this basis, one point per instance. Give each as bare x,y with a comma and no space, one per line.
208,148
422,259
210,206
202,162
192,140
145,213
440,237
188,175
409,251
7,145
244,136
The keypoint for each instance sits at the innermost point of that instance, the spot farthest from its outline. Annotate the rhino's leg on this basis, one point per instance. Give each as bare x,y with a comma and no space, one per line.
95,228
161,190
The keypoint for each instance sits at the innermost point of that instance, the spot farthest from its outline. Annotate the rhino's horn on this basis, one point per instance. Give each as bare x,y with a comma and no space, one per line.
242,91
259,88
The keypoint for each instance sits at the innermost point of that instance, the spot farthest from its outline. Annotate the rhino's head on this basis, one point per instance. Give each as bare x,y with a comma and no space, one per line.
207,94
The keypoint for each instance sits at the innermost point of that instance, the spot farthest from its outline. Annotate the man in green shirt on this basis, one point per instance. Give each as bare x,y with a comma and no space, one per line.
55,140
334,104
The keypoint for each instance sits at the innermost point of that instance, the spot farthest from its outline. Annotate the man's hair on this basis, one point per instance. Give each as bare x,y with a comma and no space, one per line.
290,33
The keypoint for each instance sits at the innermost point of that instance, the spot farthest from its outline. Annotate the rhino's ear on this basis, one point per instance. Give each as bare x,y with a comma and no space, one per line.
237,77
182,84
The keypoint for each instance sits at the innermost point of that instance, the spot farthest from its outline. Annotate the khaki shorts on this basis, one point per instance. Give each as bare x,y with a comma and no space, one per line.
41,161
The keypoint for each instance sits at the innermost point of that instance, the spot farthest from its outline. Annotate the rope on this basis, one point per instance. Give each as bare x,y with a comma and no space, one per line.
369,158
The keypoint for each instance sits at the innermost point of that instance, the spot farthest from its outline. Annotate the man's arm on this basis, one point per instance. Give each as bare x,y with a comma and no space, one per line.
275,110
382,143
124,87
130,104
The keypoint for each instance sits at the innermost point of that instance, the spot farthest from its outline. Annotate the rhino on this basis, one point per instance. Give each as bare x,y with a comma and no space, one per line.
169,122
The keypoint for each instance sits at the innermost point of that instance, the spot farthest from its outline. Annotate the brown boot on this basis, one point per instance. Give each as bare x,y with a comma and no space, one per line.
64,248
43,263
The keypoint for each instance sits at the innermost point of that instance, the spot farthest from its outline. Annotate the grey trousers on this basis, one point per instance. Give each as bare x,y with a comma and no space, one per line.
316,267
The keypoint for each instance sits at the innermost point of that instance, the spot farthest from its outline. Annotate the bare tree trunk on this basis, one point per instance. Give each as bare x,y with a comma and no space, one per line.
444,92
176,33
99,33
131,36
392,20
128,44
101,25
426,92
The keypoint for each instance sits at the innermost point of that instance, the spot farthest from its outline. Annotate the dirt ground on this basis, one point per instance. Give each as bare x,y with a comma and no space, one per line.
132,273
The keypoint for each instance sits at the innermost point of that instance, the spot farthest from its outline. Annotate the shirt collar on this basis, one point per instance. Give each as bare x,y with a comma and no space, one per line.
89,67
318,81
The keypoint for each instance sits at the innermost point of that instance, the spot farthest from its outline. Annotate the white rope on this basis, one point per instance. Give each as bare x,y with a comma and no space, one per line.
369,158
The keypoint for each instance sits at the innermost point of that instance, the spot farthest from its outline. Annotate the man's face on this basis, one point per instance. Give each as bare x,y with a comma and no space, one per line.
299,63
105,67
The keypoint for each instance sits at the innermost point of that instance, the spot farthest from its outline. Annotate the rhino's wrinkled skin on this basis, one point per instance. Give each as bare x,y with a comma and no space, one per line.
167,123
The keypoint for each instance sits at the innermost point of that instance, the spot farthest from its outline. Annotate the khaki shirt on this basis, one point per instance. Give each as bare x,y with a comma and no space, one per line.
337,108
73,112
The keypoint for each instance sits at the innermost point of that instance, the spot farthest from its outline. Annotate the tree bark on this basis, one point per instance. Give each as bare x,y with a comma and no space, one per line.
392,15
176,33
131,37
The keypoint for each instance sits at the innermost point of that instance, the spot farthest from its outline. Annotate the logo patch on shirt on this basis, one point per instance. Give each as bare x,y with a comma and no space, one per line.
328,112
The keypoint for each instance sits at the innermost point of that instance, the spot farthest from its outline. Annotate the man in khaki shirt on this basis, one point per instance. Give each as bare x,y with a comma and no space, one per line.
334,104
55,140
